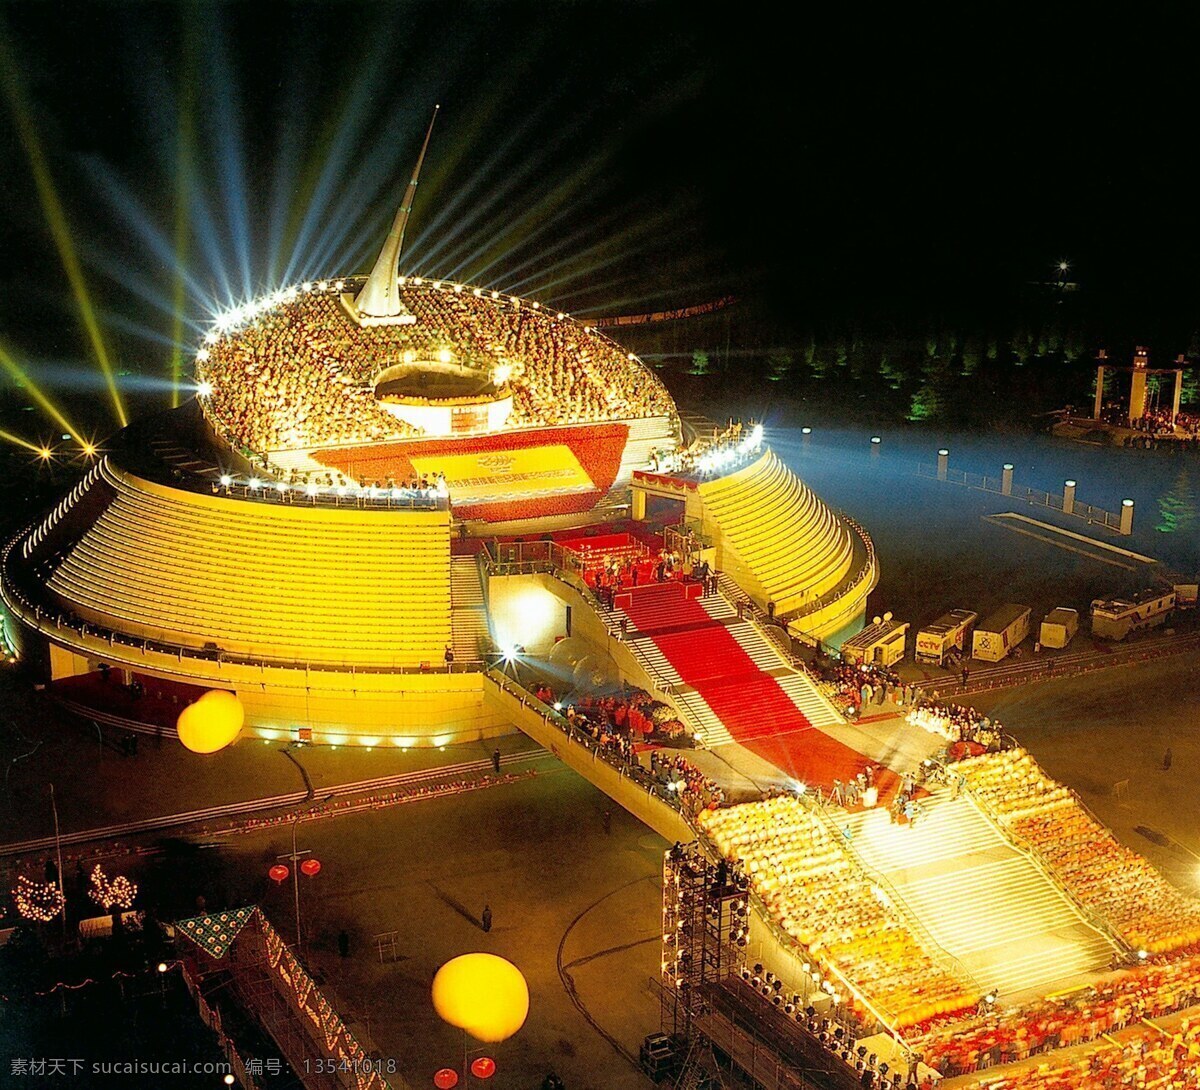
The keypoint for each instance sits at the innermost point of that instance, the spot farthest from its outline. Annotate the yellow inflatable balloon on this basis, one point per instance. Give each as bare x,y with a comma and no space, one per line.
211,722
482,994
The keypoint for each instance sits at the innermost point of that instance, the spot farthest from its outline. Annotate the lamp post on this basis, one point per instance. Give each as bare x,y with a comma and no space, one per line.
58,855
295,855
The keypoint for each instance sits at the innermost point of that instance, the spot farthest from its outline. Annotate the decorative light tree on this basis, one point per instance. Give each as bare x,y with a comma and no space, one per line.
118,892
40,901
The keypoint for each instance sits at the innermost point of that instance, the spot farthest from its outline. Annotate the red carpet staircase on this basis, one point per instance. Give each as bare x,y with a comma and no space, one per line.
751,705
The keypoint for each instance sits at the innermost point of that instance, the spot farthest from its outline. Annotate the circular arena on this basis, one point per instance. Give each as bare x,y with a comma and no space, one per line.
381,485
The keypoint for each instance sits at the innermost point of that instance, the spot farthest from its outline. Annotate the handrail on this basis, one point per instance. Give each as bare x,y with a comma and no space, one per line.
933,947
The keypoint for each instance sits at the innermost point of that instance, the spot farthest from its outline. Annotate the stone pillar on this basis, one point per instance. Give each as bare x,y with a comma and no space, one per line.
1178,394
1099,392
1006,479
1127,517
807,434
875,443
639,505
943,463
1137,395
1068,497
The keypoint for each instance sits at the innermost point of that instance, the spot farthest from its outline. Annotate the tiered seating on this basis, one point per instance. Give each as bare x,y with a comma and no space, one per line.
1006,1034
790,544
981,900
1118,884
820,898
319,585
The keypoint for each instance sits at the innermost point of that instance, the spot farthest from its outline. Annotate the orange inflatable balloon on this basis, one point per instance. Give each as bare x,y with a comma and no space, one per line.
212,722
482,994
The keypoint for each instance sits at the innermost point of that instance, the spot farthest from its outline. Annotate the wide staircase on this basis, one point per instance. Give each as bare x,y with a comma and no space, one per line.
469,633
733,685
982,900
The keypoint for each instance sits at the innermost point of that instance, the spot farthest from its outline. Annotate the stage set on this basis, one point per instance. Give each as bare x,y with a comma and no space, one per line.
404,512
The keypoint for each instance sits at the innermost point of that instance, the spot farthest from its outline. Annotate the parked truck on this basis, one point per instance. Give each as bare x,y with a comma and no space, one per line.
951,632
1059,627
1000,633
1115,618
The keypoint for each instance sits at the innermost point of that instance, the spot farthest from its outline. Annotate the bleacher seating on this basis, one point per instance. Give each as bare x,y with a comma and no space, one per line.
367,588
779,540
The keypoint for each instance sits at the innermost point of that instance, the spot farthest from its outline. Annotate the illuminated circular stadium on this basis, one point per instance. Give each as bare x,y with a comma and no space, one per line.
324,530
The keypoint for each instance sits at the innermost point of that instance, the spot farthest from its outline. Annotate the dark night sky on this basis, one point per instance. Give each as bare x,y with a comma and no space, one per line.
607,156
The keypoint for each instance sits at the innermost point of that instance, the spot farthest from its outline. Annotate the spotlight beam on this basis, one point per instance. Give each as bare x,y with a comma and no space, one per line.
56,220
183,171
17,441
18,375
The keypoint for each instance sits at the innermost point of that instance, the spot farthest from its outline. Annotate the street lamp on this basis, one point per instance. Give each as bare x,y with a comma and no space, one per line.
58,854
294,855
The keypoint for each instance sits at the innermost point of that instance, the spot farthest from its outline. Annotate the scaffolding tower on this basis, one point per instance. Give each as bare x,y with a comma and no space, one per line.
705,931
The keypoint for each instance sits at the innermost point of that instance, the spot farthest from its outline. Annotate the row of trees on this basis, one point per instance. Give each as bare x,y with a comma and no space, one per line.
943,373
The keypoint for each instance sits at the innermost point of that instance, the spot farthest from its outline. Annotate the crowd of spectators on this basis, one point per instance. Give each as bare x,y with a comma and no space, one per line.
823,901
857,685
1149,1058
301,374
638,566
1152,989
957,723
676,773
1115,882
709,455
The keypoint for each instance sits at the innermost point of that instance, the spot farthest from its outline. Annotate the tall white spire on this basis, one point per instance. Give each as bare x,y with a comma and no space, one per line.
380,295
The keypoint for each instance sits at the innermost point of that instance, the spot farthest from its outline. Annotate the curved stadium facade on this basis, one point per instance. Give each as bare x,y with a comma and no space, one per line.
305,537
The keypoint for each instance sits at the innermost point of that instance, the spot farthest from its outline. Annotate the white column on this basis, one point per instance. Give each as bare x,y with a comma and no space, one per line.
1006,479
943,463
1127,517
1068,497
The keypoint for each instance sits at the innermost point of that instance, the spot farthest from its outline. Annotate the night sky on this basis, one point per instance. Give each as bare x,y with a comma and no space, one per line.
603,157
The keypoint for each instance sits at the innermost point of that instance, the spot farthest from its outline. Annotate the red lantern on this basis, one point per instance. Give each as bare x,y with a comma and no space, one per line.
310,868
278,873
483,1068
446,1079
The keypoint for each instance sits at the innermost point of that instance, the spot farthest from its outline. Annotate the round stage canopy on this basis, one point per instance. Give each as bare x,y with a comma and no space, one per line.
482,994
212,722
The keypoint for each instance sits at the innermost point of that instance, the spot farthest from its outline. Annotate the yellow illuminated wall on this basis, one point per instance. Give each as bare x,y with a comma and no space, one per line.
284,582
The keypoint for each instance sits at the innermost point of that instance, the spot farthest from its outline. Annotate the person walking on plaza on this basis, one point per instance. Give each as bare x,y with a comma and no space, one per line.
448,656
607,822
496,761
486,919
1168,760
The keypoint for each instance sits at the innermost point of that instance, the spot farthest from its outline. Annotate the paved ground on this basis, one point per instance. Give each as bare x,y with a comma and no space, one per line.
558,887
562,892
97,785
